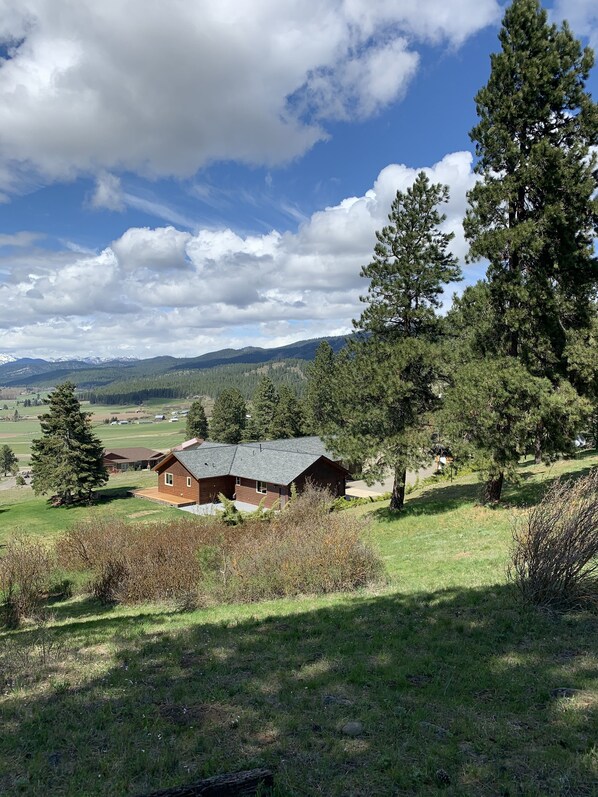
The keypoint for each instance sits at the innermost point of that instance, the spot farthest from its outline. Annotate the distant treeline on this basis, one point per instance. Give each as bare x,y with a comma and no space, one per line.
210,382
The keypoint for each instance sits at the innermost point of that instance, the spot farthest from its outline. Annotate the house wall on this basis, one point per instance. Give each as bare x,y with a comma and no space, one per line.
246,492
210,488
323,474
179,486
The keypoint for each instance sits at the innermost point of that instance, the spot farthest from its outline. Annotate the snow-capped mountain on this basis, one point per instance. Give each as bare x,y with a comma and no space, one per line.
7,358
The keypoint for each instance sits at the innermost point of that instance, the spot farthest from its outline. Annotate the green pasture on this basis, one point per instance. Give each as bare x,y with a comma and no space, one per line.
159,435
460,689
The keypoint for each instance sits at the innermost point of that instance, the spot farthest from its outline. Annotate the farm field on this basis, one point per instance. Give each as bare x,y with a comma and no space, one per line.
458,687
159,435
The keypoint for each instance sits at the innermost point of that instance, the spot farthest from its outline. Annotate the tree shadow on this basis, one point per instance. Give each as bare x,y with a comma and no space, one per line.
462,681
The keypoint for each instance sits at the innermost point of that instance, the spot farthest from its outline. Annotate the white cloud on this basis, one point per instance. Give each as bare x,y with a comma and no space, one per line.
582,16
164,88
169,291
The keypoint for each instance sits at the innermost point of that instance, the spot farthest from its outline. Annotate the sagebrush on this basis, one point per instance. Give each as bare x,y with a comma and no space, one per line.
555,551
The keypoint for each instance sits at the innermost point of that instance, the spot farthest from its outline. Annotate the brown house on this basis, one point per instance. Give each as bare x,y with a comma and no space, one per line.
136,458
249,472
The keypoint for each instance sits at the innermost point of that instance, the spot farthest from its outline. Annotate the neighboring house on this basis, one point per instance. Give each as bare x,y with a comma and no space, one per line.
116,459
249,472
195,442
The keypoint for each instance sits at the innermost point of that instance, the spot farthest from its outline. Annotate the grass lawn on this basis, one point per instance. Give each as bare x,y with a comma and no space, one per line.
451,678
22,511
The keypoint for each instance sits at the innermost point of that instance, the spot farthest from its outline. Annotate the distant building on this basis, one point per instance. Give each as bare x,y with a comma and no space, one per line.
136,458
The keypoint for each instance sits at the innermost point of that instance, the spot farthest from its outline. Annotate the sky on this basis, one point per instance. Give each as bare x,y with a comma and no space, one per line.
184,176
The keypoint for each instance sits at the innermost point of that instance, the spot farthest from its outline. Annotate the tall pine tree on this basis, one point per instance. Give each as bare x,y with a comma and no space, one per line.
533,214
288,418
197,423
67,459
229,417
386,383
319,401
263,410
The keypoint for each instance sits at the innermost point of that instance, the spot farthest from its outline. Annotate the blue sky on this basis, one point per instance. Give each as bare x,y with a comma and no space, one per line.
177,178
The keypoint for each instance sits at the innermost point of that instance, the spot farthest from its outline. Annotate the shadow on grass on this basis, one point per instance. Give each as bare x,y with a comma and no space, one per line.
457,680
447,496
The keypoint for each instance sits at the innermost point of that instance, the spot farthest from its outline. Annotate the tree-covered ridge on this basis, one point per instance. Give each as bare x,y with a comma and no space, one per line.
179,384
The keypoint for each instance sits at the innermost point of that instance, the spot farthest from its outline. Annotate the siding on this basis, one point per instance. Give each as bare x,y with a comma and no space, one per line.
209,488
179,486
323,474
246,492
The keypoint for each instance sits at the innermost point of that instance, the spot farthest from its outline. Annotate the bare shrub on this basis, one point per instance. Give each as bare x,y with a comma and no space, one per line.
25,572
304,549
555,552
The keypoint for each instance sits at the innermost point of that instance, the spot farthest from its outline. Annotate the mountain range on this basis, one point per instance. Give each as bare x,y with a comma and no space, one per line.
92,372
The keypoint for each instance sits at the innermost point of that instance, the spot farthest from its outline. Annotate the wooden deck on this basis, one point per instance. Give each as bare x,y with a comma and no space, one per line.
153,494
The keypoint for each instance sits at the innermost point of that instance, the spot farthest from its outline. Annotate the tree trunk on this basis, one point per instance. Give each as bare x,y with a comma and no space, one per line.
538,445
492,490
398,489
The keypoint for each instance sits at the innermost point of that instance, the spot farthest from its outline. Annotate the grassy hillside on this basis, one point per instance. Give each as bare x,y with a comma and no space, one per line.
459,688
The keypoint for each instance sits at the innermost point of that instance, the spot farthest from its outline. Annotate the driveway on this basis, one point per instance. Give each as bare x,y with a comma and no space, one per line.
359,489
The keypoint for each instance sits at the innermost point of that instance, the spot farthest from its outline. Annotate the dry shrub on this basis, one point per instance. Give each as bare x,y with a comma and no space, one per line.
141,562
304,549
25,571
555,552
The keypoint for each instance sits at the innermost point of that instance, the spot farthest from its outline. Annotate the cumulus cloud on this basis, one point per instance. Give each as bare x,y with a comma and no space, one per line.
163,88
169,291
582,16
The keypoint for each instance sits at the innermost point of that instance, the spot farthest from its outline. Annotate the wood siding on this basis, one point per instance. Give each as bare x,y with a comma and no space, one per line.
210,488
323,474
246,492
178,488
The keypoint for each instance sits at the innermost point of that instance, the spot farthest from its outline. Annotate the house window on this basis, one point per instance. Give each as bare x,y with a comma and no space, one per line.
168,479
237,480
188,481
261,487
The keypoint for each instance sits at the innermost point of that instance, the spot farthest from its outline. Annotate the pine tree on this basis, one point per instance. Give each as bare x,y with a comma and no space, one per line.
8,460
197,423
319,401
264,403
386,383
68,458
228,417
532,214
288,419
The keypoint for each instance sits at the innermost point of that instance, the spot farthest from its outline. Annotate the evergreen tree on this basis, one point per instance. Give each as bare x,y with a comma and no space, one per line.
68,458
228,417
319,402
197,423
533,215
386,383
288,418
264,403
8,460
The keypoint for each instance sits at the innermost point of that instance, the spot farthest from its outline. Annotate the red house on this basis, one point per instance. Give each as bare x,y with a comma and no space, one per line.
249,472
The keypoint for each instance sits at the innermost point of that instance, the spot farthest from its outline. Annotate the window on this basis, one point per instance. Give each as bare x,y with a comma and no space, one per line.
237,480
188,481
261,487
168,479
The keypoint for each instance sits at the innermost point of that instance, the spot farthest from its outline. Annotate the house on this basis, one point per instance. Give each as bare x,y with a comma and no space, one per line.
195,442
136,458
249,472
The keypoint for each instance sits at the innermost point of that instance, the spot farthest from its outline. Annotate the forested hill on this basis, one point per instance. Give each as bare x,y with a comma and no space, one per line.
116,381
